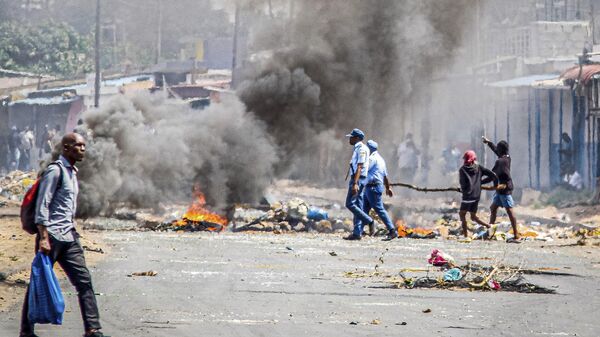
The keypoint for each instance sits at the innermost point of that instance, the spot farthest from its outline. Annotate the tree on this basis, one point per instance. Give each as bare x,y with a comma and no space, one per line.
48,48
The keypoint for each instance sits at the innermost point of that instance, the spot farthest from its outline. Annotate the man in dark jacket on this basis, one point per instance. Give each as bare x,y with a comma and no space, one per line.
502,197
470,176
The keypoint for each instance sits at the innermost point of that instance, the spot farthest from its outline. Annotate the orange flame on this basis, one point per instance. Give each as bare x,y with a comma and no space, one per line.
404,231
197,213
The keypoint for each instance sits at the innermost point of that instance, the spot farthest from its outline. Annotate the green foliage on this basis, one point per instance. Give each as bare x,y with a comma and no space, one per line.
46,48
129,33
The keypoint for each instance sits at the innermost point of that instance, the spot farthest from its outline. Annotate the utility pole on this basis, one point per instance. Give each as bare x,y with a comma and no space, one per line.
236,26
291,16
271,15
159,32
97,57
593,22
478,53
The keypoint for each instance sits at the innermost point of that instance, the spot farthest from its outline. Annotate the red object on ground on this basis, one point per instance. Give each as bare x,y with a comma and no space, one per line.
437,259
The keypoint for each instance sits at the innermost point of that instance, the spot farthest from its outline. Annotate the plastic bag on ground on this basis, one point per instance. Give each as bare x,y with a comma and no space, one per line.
440,259
452,275
46,303
317,214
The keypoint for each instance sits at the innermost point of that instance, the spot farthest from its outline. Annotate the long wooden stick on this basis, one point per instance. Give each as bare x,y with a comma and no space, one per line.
446,189
427,189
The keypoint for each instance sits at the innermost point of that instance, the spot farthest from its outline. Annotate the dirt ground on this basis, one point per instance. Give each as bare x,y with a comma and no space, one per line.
17,251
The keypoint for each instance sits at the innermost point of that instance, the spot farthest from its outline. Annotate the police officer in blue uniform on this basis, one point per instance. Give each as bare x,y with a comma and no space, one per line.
376,180
359,168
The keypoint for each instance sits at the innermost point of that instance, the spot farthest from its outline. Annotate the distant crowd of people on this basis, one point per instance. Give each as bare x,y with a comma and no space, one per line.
22,148
411,161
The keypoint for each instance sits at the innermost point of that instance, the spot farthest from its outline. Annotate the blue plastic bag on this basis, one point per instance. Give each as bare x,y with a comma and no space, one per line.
317,214
452,275
46,303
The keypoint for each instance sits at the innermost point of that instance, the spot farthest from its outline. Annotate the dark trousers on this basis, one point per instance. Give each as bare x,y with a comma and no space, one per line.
24,162
69,256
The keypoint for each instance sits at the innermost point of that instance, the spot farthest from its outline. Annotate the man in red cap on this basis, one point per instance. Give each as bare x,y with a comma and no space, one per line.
470,175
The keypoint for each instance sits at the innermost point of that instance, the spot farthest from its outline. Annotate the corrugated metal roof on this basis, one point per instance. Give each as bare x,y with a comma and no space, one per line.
525,81
46,100
587,71
117,82
553,83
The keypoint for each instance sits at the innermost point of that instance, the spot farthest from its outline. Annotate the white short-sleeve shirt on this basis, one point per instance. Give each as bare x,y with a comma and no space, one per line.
377,168
360,156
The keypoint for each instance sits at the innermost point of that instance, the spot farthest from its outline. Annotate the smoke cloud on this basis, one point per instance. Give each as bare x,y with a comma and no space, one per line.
339,64
145,149
325,68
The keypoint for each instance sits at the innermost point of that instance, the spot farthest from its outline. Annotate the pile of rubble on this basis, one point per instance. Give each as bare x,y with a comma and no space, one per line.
443,272
14,185
450,228
295,215
446,274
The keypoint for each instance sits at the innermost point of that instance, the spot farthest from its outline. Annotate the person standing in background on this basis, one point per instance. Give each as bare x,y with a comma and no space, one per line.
408,159
27,142
14,144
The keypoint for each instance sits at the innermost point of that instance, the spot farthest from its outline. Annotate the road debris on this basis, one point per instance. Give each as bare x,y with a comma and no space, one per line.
440,259
144,273
452,275
496,276
14,184
95,250
295,215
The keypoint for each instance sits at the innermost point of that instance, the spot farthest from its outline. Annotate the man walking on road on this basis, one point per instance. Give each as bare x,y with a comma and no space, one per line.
57,237
502,197
376,180
359,167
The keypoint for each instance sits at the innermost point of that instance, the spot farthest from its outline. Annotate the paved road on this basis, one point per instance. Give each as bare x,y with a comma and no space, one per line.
235,284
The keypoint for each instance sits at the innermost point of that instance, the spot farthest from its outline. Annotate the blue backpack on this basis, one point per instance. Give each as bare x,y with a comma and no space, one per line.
46,303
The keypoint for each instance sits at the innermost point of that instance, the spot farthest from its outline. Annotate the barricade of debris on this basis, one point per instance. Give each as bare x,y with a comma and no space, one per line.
534,231
295,215
443,272
14,185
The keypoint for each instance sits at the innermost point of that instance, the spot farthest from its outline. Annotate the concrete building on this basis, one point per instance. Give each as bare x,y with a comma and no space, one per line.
516,86
532,105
